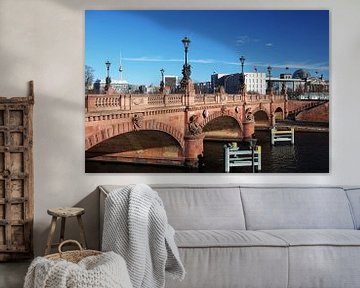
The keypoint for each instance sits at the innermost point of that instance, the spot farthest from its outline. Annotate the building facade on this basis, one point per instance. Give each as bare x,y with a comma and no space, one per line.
255,82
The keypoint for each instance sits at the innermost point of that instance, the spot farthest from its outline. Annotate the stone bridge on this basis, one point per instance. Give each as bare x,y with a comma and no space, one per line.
170,129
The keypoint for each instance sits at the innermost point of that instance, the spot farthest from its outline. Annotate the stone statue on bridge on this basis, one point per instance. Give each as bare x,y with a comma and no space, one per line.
249,115
194,126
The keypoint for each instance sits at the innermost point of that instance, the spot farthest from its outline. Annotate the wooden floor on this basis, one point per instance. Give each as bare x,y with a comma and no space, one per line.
12,274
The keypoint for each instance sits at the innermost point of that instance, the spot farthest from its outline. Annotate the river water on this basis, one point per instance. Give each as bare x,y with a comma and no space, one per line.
310,154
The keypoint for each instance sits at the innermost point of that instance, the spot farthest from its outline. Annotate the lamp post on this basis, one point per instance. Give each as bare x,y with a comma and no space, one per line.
162,84
242,77
242,61
269,68
108,79
186,68
252,144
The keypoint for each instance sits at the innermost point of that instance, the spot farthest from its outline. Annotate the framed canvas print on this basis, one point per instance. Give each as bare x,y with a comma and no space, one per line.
224,91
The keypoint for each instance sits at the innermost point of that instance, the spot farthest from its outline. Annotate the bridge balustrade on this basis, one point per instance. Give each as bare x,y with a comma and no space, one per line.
156,100
199,99
103,102
173,99
233,98
257,97
210,98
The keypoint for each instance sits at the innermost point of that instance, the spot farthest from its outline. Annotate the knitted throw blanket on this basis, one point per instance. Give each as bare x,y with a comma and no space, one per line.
102,271
135,226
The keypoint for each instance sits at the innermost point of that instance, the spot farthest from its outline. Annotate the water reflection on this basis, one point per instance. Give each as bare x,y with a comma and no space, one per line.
310,154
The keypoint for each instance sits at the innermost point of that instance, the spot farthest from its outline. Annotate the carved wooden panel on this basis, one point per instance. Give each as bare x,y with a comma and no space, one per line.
16,177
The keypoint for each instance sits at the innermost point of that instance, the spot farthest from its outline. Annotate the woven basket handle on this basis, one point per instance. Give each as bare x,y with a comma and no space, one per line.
69,241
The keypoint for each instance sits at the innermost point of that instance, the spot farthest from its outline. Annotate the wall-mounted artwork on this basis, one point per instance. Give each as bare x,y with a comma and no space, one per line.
244,91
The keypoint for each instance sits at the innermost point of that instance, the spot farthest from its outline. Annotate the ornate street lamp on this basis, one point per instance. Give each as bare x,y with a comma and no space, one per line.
186,41
269,68
108,79
186,68
242,76
162,84
242,61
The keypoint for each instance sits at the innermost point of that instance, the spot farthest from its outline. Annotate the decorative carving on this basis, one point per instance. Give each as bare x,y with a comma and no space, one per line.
223,110
237,109
186,72
248,115
205,113
138,101
194,125
242,89
137,121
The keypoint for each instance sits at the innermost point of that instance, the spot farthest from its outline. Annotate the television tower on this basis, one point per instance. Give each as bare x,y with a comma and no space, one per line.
120,68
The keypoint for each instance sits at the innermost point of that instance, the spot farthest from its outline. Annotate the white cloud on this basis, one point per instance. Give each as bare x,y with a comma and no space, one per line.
158,59
297,65
269,44
292,65
243,39
150,59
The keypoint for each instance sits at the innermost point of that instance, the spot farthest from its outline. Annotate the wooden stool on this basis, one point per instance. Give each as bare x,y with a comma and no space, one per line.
64,213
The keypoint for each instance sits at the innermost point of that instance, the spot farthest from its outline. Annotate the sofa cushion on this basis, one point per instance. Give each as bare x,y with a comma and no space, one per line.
226,238
204,208
324,266
296,208
354,198
225,267
322,258
317,237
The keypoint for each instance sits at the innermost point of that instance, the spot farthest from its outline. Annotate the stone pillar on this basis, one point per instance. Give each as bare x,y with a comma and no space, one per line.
272,119
286,106
249,129
248,123
190,93
194,146
194,139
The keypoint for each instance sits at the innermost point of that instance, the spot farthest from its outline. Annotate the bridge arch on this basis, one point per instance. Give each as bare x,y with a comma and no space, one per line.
113,130
279,113
222,125
227,113
261,117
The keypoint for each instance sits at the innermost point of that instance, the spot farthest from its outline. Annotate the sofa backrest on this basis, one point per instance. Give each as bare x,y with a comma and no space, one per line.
203,208
211,207
296,208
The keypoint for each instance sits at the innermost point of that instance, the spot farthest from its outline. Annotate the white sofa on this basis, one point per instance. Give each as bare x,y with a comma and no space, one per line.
242,236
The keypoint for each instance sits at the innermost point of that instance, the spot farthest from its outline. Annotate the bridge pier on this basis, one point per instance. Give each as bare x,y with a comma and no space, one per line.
194,146
249,129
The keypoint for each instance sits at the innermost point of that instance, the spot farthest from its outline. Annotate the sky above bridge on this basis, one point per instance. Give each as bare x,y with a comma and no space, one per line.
148,41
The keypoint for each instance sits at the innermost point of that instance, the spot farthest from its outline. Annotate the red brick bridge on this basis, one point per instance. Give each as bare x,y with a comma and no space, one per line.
170,129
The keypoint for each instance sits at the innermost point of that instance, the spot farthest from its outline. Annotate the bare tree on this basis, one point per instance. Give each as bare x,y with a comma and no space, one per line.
89,77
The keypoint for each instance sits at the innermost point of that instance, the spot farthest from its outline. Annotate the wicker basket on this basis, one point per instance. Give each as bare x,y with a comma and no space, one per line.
72,256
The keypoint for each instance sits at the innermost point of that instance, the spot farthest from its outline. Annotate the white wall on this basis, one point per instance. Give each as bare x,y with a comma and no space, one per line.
43,40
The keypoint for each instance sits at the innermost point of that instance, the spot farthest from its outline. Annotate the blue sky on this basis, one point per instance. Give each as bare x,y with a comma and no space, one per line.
151,40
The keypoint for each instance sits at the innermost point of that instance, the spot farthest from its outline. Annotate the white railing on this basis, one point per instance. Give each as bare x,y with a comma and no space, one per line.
282,136
236,157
